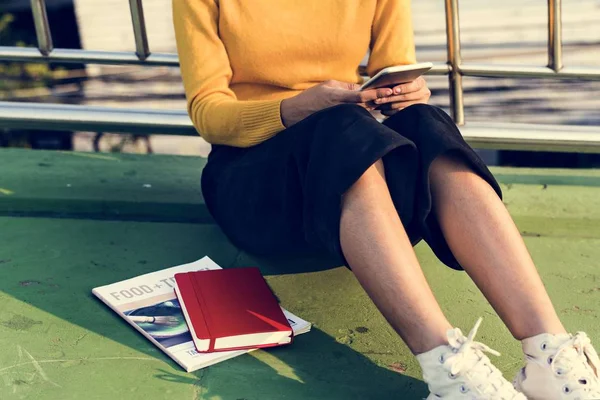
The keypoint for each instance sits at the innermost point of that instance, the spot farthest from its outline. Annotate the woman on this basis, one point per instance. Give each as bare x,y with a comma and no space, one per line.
298,163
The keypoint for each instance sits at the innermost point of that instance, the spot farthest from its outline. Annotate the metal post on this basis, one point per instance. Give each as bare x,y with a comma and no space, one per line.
30,54
555,35
20,115
139,29
509,71
454,60
42,27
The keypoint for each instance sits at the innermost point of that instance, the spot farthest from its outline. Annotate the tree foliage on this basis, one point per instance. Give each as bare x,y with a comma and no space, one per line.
16,75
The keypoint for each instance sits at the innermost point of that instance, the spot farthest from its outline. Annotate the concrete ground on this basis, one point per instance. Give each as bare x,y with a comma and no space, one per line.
73,221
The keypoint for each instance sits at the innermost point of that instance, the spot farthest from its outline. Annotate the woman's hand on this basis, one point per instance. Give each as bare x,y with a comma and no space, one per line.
405,94
325,95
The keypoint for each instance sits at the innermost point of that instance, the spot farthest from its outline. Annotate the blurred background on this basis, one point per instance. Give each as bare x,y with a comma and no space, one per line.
507,32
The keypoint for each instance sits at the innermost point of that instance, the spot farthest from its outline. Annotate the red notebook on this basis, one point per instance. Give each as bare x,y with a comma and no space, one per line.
231,309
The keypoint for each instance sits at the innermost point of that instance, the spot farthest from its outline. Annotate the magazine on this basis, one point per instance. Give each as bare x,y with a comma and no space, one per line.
149,304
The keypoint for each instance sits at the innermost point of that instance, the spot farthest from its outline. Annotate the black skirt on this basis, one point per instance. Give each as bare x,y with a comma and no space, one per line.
283,196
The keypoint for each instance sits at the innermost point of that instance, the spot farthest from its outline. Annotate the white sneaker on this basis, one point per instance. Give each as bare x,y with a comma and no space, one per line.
461,371
559,367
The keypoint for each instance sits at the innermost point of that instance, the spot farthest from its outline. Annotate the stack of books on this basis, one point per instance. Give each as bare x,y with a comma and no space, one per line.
200,314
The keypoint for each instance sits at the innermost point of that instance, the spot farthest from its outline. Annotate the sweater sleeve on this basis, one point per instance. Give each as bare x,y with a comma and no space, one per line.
213,107
392,37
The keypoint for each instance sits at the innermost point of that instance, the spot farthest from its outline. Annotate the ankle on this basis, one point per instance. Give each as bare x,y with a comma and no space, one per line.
533,331
429,340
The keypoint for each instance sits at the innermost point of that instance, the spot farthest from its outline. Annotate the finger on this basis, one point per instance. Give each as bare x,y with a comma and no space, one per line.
381,93
408,87
354,96
378,101
424,92
366,96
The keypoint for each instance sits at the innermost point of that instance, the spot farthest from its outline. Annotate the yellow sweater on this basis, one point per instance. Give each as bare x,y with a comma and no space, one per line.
240,58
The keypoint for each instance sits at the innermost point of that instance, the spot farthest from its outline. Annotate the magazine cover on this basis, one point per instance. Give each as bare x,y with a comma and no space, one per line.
149,304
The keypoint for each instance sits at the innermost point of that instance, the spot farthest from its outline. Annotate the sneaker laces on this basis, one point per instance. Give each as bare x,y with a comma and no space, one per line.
577,359
468,359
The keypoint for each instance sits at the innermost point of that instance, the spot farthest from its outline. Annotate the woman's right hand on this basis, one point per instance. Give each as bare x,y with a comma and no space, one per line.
325,95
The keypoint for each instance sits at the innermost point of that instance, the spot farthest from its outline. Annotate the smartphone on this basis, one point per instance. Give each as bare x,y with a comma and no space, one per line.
392,76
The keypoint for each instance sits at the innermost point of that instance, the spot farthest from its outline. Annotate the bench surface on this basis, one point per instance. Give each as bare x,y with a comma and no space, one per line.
73,221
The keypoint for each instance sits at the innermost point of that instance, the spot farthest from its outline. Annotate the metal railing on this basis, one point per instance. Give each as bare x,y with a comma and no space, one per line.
555,68
504,136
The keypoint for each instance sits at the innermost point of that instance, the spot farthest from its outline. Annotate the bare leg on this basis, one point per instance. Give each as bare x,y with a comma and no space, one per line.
486,242
377,248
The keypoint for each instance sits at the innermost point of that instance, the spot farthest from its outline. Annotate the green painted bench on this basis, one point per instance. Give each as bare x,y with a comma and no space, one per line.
73,221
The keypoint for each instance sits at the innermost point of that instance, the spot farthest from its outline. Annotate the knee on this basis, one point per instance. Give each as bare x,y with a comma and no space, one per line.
424,124
372,177
417,114
340,124
375,171
419,110
449,162
345,112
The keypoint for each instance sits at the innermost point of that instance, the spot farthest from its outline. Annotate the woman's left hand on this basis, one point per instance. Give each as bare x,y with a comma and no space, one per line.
404,95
